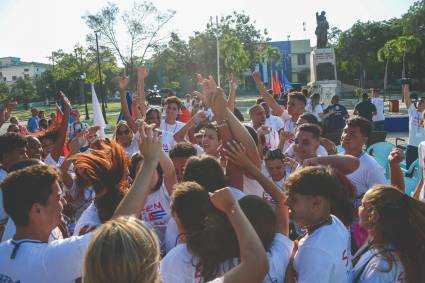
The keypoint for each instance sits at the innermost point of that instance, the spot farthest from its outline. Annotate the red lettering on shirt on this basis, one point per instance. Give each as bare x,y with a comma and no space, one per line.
345,257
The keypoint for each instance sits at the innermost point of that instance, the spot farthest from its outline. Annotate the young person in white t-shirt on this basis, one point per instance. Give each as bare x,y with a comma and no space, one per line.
106,171
369,173
13,148
53,140
295,107
323,254
28,257
169,123
394,251
258,119
315,108
416,130
379,118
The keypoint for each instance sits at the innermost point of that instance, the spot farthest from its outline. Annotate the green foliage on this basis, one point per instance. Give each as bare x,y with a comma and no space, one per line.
4,91
23,91
242,46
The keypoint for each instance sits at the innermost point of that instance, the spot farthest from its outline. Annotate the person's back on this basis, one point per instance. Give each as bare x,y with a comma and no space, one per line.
327,249
365,109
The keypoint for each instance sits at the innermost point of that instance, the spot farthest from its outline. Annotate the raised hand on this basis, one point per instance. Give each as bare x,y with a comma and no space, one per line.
65,100
233,82
396,156
263,130
236,153
142,72
123,83
150,143
256,76
223,200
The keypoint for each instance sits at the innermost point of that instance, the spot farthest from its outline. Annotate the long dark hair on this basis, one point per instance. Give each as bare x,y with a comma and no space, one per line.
401,223
206,171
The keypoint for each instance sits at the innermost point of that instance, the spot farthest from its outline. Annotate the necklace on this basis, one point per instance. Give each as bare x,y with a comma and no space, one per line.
314,227
166,127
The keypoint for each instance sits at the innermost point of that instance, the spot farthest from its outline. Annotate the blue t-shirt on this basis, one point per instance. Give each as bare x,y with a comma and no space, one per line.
337,118
32,125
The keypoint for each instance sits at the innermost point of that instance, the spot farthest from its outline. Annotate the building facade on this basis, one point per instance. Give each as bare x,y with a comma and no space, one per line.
12,69
294,65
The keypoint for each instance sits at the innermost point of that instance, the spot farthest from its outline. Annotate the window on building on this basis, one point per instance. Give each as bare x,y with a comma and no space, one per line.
302,59
37,69
26,70
13,78
36,75
4,79
26,76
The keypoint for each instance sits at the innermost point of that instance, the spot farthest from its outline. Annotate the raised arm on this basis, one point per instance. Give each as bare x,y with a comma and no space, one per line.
74,148
345,163
236,154
406,92
122,86
170,177
231,100
63,128
180,135
254,264
396,174
276,108
135,199
142,73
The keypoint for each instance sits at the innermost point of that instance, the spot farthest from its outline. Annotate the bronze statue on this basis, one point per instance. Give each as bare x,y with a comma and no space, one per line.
322,30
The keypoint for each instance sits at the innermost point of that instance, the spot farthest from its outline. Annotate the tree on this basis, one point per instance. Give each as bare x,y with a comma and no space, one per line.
407,45
143,24
4,91
23,91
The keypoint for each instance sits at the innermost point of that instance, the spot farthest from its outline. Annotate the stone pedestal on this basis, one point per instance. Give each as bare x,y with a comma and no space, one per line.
324,78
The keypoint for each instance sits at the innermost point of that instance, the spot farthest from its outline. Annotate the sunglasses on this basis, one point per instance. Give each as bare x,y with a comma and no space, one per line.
126,132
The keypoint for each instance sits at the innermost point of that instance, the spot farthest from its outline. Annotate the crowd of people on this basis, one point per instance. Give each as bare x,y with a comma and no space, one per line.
186,191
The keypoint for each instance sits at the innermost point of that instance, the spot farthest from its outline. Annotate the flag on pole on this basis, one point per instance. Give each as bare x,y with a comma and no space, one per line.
59,114
97,113
278,87
286,84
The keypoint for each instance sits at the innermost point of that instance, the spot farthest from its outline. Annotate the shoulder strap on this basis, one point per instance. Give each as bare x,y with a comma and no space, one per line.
356,280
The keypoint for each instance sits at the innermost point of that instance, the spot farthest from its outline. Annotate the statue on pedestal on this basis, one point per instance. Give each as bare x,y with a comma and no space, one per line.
322,30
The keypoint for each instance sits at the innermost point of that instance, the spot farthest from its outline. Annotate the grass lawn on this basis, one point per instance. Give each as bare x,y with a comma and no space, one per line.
243,103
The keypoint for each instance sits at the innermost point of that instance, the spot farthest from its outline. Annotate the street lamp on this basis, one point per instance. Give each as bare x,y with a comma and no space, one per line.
83,77
102,94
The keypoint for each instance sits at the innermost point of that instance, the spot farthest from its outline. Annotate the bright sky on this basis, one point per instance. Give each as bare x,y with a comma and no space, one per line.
32,29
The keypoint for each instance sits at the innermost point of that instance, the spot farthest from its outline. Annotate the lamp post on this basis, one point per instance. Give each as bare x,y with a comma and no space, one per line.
102,94
218,52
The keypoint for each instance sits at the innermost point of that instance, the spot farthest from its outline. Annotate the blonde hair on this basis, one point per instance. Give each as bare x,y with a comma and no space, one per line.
402,224
122,250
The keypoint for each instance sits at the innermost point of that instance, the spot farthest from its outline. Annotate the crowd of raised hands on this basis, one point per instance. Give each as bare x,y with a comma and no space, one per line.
187,192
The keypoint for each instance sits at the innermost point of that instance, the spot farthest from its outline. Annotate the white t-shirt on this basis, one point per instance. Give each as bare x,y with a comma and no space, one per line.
324,256
421,158
134,145
321,151
55,262
3,214
288,126
178,265
368,174
275,122
156,211
416,131
50,161
316,111
172,231
373,266
252,187
165,127
89,217
379,104
10,231
272,138
168,141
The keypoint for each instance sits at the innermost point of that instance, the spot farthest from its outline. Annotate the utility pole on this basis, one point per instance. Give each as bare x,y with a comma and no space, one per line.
218,52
